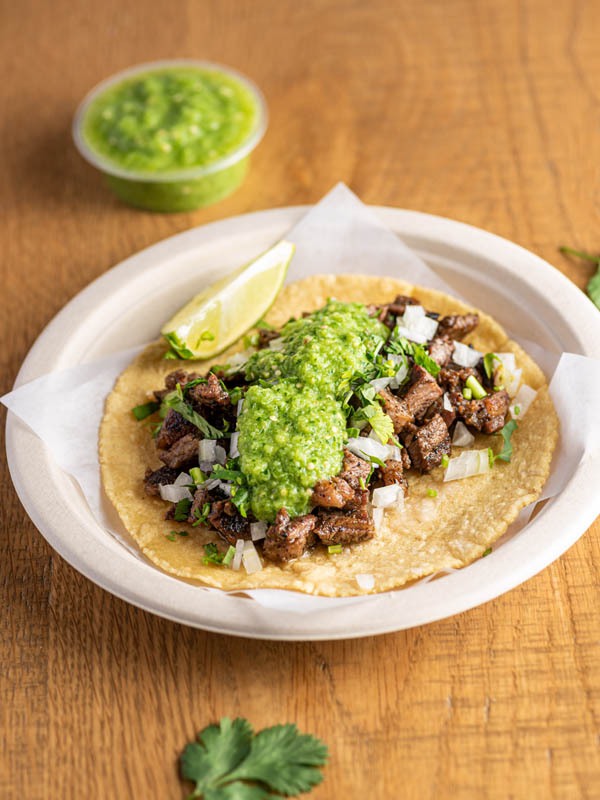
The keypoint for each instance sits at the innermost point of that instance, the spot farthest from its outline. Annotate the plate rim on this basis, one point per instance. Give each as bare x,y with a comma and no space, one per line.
451,232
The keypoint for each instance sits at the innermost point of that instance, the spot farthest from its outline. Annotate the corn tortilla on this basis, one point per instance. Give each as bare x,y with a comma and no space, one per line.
450,530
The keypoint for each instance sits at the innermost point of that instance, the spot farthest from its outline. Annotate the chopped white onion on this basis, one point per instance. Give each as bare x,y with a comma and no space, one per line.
400,376
252,562
182,479
277,344
417,323
395,358
211,484
465,356
512,381
365,580
233,445
240,405
385,496
447,403
377,514
412,314
380,383
363,447
237,557
522,400
393,452
225,487
174,493
506,373
207,450
237,360
206,466
220,454
471,462
414,336
258,530
462,435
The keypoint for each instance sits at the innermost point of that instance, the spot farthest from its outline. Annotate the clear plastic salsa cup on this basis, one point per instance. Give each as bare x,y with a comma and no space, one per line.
181,188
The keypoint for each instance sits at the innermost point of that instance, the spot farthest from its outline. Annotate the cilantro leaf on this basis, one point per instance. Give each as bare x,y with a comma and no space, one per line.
177,347
286,760
174,401
219,749
506,432
593,287
145,410
423,359
226,755
182,509
382,425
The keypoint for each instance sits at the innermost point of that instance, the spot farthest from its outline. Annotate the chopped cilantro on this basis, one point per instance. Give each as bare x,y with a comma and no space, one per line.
143,411
175,401
506,432
352,433
374,460
205,336
226,755
212,555
517,410
182,510
177,347
381,424
180,533
266,326
362,484
486,552
235,395
334,548
171,536
201,516
422,357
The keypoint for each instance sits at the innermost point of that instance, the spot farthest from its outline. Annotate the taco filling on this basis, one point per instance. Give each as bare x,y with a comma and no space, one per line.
360,444
306,437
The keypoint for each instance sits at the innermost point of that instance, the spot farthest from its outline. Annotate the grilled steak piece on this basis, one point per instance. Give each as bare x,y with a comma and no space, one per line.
265,336
228,521
388,312
288,538
210,393
427,445
173,428
457,325
396,409
353,469
437,407
406,462
441,349
201,496
158,477
183,453
452,379
334,493
486,414
392,473
421,393
344,527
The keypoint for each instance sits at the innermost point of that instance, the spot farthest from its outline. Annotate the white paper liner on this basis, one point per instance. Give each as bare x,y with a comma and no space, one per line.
338,235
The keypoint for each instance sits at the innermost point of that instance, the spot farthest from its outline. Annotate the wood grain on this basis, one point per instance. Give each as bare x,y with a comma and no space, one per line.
487,112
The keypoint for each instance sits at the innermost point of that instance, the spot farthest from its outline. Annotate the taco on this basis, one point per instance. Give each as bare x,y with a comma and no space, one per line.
358,444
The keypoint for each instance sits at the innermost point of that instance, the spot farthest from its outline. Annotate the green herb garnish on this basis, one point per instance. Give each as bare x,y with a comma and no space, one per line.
382,425
182,510
467,393
593,287
228,557
145,410
445,460
266,326
201,516
180,533
177,347
476,388
488,363
279,759
205,336
431,492
486,552
197,475
175,401
171,536
334,548
506,432
212,555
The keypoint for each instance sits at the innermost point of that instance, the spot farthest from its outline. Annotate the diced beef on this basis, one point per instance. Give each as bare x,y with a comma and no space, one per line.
452,379
183,453
486,414
333,493
178,376
201,496
388,312
159,477
353,469
265,336
396,409
406,462
421,393
173,428
437,407
392,473
344,527
457,325
441,349
210,393
429,444
288,538
228,521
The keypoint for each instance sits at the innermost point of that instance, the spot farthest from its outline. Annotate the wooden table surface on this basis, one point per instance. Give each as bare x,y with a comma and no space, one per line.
487,112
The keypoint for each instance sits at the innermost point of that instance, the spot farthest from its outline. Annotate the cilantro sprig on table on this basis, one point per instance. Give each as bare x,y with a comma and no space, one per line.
593,287
229,762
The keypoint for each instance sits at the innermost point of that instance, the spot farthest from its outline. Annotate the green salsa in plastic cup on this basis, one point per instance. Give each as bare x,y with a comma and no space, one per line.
172,135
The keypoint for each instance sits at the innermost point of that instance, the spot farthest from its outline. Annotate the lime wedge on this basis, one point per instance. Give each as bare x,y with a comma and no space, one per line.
219,315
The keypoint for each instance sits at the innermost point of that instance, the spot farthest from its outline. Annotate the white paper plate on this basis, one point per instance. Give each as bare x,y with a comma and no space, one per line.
121,309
